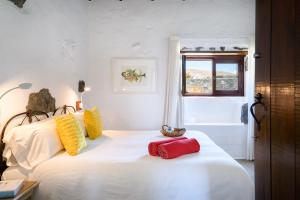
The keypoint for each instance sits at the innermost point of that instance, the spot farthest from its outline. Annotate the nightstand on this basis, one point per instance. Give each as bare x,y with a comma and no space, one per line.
26,191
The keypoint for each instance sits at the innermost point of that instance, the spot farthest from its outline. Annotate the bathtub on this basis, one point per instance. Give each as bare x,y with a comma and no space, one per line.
219,118
232,137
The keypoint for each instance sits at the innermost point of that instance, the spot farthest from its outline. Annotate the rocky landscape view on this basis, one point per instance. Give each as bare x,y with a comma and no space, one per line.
200,81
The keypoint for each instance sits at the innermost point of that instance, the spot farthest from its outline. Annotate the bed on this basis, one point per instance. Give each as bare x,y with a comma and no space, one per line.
118,166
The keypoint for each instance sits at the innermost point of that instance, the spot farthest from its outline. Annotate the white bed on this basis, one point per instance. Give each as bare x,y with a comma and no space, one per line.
118,166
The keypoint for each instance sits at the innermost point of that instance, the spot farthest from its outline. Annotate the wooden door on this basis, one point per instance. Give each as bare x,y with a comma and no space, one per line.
277,143
282,99
262,85
297,99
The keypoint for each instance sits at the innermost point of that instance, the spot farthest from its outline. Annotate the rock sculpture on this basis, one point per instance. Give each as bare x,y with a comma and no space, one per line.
41,101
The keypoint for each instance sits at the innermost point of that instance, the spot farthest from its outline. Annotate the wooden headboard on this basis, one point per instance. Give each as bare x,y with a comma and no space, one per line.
40,105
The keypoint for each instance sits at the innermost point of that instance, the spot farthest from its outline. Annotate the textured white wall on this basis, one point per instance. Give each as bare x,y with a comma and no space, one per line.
140,28
44,43
55,43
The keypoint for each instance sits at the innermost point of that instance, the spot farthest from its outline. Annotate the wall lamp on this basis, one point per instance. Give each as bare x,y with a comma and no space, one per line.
82,88
23,86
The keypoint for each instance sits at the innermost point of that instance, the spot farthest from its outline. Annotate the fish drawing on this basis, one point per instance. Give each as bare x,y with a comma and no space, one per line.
133,75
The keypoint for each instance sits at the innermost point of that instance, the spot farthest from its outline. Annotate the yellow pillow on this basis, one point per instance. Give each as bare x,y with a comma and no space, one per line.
93,123
70,134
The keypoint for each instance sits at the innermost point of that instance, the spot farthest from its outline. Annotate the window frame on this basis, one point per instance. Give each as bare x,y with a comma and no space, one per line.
239,59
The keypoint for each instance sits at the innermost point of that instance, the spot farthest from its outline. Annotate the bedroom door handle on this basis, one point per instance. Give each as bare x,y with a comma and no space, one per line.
256,55
255,138
258,101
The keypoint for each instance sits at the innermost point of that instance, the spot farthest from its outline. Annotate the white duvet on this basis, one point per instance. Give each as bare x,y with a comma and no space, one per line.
118,166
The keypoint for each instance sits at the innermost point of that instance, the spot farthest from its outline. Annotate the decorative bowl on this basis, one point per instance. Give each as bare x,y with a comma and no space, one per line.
169,132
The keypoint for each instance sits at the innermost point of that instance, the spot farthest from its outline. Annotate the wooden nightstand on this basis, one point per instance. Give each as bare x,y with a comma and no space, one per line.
26,191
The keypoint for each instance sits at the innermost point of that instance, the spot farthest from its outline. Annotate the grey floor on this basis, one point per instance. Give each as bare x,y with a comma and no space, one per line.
249,167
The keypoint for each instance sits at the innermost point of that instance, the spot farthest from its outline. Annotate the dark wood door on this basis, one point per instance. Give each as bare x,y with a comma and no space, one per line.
297,99
282,99
262,85
277,143
262,136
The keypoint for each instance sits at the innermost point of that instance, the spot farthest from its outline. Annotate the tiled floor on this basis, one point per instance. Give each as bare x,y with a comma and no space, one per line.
249,166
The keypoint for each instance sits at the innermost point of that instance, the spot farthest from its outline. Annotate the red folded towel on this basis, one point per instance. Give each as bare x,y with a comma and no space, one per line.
178,148
152,147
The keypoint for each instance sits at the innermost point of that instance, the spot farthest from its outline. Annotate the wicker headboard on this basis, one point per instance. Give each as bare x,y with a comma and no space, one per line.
40,104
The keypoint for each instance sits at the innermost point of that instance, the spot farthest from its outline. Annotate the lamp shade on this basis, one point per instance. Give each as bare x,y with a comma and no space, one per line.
81,86
25,86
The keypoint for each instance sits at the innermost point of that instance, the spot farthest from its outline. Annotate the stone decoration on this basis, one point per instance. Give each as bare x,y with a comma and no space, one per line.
19,3
41,101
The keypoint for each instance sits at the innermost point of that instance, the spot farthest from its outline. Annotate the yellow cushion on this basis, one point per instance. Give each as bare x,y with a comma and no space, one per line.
93,123
70,134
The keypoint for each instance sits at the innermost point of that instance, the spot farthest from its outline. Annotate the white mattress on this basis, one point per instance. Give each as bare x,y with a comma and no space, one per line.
117,166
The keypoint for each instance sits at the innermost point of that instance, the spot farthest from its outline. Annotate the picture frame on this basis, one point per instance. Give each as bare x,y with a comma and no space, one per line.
134,75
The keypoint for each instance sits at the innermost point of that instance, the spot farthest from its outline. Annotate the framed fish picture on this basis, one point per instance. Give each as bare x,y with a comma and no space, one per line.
134,75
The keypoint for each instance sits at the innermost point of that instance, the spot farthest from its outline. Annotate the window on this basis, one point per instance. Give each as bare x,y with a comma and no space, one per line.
214,75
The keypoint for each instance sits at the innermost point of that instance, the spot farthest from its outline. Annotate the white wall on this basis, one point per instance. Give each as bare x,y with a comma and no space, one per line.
55,43
135,28
212,109
45,43
251,92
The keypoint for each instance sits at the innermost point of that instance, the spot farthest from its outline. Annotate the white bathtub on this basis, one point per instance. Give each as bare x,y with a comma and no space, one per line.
231,137
219,118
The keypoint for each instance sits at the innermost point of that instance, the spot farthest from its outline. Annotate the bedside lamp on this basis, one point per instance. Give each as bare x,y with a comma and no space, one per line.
23,86
81,89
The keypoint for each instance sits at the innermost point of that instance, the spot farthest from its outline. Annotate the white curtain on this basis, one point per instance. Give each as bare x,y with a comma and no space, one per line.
173,104
250,94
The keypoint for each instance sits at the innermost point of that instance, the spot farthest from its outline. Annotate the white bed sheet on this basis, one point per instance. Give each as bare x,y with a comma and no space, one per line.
15,173
117,166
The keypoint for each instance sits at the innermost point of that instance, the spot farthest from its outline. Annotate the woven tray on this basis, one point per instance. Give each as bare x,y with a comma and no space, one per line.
176,132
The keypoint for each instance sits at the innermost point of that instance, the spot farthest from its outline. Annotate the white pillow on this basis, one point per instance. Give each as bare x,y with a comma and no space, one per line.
29,145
